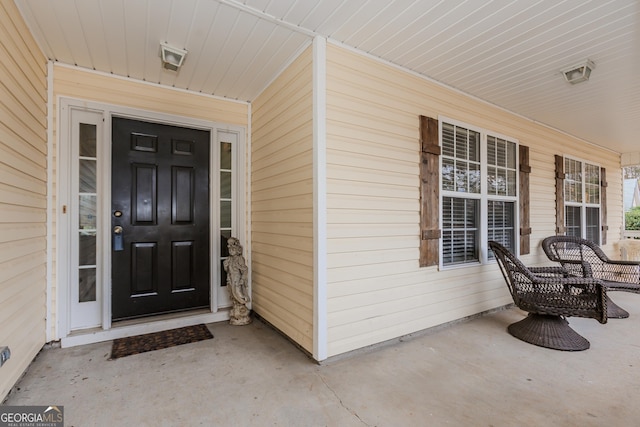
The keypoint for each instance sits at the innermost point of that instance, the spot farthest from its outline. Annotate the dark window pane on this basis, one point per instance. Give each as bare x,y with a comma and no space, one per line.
225,155
593,224
573,221
87,284
87,140
460,230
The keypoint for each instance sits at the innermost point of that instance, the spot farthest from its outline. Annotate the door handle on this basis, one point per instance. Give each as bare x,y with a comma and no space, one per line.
118,245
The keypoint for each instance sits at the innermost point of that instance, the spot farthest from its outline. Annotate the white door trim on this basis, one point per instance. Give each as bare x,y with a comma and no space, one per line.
64,195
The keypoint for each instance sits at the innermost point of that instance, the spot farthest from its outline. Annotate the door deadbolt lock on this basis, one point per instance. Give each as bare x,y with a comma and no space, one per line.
117,229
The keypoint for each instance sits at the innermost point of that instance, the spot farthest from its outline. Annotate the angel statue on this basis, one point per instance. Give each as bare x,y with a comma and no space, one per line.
237,271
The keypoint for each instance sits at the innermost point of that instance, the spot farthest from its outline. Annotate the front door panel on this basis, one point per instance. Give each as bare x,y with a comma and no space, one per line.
160,219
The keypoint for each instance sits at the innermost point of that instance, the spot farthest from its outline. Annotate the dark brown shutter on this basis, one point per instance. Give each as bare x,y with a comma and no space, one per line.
560,229
429,191
603,205
525,224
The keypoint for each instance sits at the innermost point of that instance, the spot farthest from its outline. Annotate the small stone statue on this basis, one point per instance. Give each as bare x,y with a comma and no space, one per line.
237,271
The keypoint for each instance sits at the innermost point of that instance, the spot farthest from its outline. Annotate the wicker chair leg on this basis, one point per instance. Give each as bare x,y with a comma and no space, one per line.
614,311
548,331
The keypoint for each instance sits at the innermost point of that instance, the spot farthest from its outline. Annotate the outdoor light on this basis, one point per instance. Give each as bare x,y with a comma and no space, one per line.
578,73
172,57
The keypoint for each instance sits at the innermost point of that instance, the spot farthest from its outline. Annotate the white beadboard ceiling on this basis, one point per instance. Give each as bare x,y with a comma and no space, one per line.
507,52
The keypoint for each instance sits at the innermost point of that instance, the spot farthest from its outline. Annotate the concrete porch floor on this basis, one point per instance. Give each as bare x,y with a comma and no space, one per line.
467,374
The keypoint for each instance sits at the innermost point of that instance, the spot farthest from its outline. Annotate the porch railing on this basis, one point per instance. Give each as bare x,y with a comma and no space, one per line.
631,234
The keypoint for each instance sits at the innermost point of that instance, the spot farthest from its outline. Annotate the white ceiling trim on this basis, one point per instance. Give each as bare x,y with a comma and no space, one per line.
263,15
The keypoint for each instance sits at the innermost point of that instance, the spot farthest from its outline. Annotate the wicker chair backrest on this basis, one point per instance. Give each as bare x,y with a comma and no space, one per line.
518,277
580,257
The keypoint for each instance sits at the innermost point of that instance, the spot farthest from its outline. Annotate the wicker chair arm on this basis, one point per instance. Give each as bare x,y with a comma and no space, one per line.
552,282
623,262
582,267
550,271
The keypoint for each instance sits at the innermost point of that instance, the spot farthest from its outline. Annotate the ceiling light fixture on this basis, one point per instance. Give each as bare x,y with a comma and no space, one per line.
578,73
172,57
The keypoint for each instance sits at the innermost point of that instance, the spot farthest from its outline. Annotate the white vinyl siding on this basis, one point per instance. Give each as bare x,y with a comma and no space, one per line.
282,202
375,287
23,195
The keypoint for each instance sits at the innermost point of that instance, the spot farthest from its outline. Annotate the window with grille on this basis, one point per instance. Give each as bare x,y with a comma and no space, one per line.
582,186
479,181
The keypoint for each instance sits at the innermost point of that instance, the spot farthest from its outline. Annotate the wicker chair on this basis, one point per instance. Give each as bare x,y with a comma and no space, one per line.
583,258
549,297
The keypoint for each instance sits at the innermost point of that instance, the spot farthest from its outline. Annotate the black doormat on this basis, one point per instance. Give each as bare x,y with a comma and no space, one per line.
155,341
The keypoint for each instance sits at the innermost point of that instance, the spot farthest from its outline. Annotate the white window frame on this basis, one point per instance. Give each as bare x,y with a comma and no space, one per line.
483,196
583,205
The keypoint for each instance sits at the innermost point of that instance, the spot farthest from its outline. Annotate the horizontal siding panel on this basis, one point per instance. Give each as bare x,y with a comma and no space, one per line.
278,241
283,191
13,289
299,202
21,214
16,178
409,286
282,203
371,169
294,300
277,121
335,186
13,232
353,140
296,76
386,328
283,215
395,303
295,145
298,330
15,143
14,93
292,176
34,136
15,250
20,163
32,63
346,201
296,276
366,230
19,197
293,255
354,272
382,218
367,258
371,244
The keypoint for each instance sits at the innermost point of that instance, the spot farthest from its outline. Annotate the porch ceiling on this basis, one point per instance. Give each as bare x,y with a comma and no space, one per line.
509,53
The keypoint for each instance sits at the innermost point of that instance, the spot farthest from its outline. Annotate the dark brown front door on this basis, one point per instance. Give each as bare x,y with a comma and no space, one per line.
159,219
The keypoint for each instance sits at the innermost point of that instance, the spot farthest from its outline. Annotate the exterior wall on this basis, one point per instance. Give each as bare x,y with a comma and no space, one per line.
282,202
90,86
23,195
376,290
